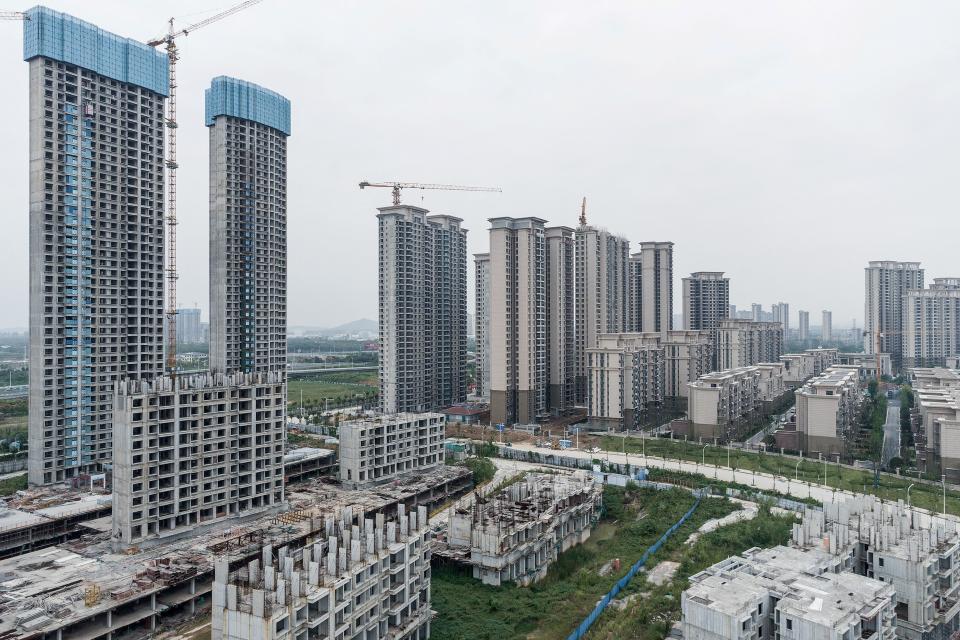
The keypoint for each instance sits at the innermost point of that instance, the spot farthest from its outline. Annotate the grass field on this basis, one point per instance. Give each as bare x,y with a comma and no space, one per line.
317,391
928,496
552,607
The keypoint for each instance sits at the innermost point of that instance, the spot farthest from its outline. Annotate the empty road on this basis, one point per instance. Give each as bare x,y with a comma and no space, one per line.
891,433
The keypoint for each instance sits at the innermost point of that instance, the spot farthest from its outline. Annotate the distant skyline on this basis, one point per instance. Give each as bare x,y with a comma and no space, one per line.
766,141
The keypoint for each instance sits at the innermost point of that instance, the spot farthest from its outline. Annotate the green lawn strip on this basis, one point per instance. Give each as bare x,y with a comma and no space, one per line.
315,392
650,616
855,480
554,606
9,486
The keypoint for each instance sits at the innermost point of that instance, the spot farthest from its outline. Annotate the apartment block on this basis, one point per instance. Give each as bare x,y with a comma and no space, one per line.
688,356
826,326
803,331
531,365
191,450
355,577
706,300
377,450
651,288
561,345
827,408
601,294
96,236
931,324
741,343
249,126
481,264
627,379
720,402
886,285
756,312
517,534
780,312
784,593
868,363
937,410
423,310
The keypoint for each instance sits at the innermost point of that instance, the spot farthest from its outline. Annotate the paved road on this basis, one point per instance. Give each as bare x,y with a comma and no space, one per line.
891,433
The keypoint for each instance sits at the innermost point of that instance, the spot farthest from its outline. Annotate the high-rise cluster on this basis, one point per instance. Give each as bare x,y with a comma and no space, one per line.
887,282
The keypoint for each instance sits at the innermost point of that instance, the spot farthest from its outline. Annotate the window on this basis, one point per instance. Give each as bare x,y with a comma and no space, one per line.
789,624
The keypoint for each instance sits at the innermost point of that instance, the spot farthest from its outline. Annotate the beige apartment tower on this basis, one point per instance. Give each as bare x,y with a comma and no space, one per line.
602,273
531,271
886,285
651,288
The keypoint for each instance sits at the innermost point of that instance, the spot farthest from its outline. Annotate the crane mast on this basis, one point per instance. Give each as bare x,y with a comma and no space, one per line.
170,42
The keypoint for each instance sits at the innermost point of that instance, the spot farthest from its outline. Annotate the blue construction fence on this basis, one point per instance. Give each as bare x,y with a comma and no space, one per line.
622,583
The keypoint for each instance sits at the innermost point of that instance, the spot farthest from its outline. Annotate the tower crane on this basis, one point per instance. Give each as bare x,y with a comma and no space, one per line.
397,186
169,41
13,15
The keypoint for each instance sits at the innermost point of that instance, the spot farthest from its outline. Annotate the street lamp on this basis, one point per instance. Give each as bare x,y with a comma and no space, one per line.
943,479
796,475
704,452
908,495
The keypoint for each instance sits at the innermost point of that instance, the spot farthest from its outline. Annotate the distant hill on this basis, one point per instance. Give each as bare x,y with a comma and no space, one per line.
354,327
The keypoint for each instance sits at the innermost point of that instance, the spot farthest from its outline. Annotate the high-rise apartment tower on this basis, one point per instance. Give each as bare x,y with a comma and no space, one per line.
481,263
651,288
804,329
886,285
826,326
249,126
96,234
601,293
423,310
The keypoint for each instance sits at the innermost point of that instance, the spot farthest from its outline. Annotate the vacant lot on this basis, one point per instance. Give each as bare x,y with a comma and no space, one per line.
553,607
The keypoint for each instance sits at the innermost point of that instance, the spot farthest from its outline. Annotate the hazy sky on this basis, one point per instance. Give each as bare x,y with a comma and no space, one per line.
786,143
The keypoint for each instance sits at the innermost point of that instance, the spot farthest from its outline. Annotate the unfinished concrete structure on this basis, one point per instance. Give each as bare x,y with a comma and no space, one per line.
422,310
303,463
249,126
602,263
827,410
785,593
190,450
96,236
381,449
517,534
357,577
918,554
742,343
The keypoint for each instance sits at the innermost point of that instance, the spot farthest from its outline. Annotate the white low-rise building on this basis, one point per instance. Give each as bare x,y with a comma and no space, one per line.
721,401
381,449
937,436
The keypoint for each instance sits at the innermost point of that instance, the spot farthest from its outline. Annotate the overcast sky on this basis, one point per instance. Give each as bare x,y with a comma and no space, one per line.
786,143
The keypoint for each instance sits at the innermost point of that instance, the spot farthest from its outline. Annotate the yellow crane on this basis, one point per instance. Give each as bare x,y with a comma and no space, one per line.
398,186
169,41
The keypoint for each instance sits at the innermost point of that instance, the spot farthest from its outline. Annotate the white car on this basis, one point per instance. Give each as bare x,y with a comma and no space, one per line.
595,450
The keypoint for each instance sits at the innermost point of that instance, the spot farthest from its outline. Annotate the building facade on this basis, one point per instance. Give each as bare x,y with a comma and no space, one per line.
886,285
742,343
355,577
827,410
781,313
381,449
96,237
423,310
721,401
931,324
627,379
651,288
191,450
481,268
601,294
189,326
561,333
826,326
249,126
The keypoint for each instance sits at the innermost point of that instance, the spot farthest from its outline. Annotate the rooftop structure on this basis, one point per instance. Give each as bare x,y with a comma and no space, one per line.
515,535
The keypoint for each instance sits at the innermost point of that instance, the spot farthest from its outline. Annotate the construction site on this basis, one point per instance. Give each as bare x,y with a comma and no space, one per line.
516,534
81,588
